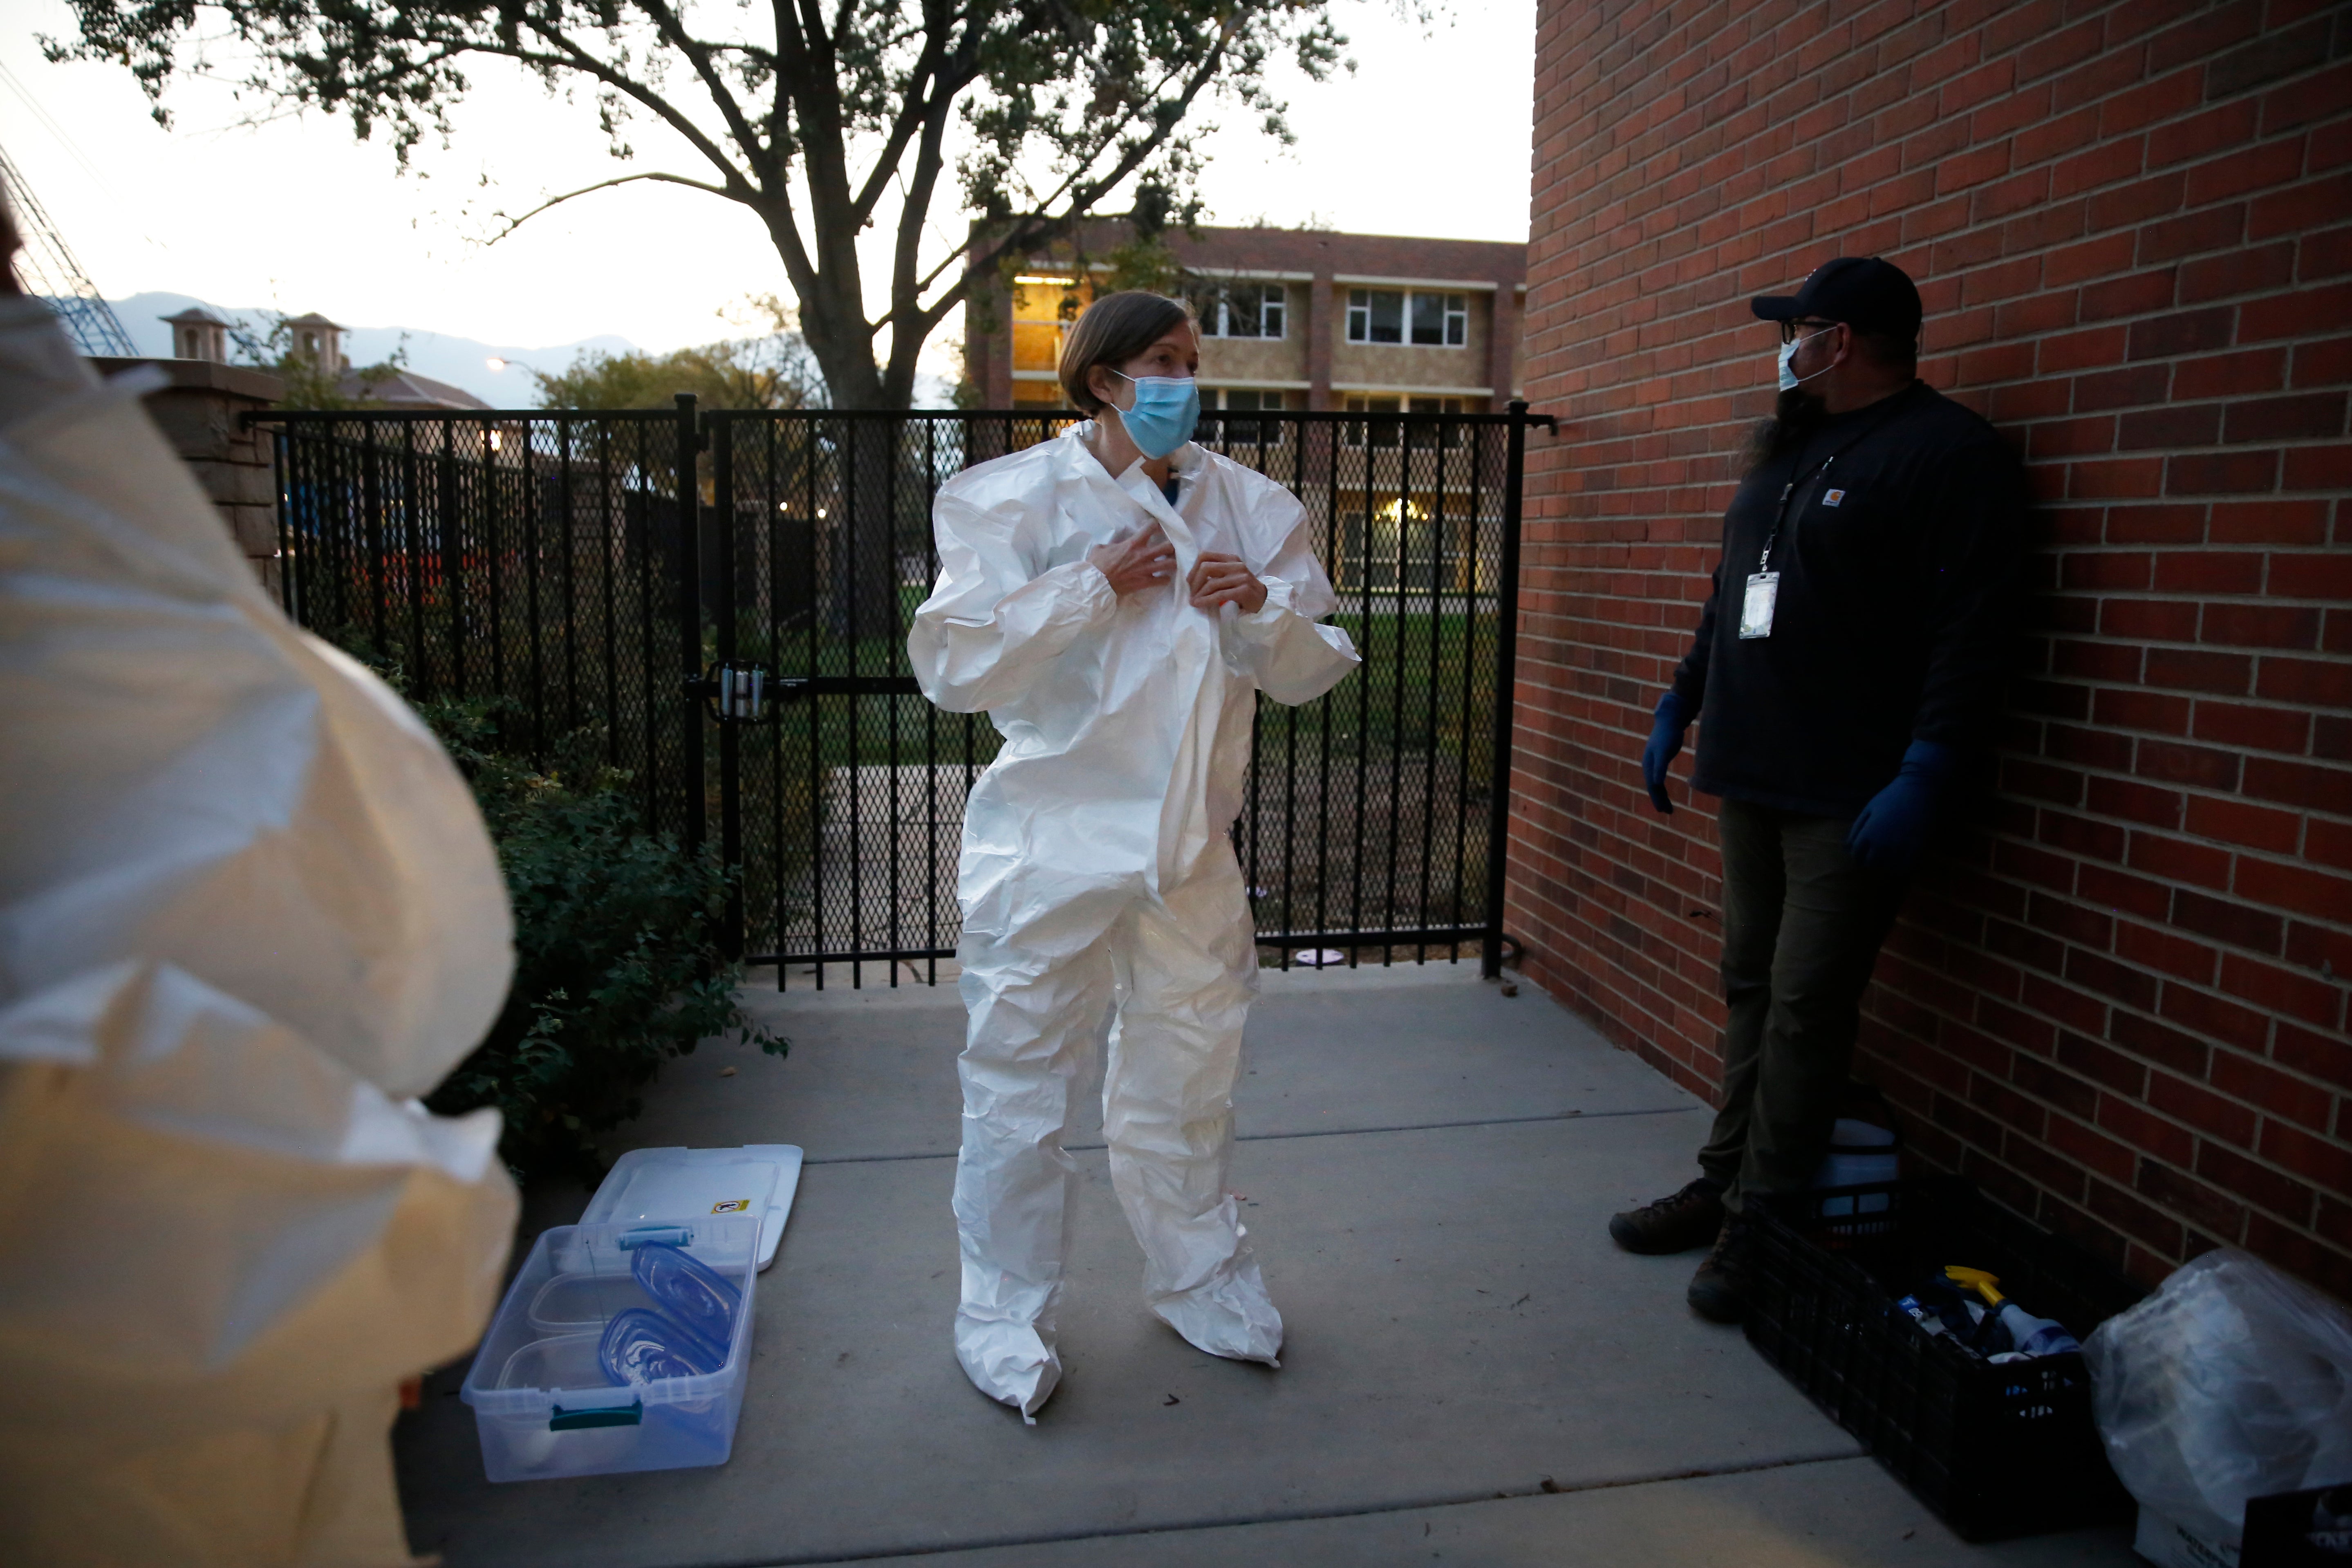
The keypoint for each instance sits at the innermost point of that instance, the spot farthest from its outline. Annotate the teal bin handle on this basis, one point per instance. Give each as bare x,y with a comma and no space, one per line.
580,1420
655,1236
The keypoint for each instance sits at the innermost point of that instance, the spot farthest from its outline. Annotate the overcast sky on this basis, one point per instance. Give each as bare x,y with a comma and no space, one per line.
1430,136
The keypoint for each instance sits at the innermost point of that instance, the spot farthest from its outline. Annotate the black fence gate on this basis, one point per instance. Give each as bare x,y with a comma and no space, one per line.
718,603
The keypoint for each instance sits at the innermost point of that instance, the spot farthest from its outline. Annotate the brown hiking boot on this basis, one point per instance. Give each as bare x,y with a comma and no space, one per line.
1689,1219
1719,1289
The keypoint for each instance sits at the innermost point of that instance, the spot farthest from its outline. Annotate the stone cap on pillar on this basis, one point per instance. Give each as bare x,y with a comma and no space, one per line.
202,376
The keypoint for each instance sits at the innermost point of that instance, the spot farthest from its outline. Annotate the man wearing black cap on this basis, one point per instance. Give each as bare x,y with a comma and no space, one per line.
1850,654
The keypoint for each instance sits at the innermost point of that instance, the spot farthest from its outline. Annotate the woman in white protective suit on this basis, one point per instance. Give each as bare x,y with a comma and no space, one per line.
1114,600
248,913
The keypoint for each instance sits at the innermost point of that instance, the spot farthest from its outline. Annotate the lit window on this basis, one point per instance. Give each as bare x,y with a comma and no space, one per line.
1242,309
1379,316
1043,310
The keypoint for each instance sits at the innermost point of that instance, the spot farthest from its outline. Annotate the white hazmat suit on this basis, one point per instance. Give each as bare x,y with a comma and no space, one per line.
1098,880
248,913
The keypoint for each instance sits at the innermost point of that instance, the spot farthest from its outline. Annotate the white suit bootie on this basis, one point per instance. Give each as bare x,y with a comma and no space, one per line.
1230,1316
1009,1361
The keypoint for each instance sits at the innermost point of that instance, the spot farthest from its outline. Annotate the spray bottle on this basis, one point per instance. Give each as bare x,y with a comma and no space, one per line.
2028,1335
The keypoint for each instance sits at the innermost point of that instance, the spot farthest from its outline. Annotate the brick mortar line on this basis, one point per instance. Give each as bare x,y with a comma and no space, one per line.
2250,1151
2269,1014
2080,898
2201,791
2042,1144
1678,46
2332,1091
1701,308
1570,445
2086,1204
1605,939
2142,132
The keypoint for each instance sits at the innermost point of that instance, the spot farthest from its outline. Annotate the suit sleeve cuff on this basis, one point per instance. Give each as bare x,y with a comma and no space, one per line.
1260,624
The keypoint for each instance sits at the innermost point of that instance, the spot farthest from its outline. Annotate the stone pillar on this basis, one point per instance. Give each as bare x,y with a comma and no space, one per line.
1503,331
1322,305
1001,349
201,414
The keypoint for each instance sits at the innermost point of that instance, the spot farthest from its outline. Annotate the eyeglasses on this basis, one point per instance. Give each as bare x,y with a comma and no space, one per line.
1788,328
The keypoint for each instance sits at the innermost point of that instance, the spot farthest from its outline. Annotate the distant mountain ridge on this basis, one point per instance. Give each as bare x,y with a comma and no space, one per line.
460,361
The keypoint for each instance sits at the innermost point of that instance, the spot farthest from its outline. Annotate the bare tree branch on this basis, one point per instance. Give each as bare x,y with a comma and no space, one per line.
1036,225
514,224
667,22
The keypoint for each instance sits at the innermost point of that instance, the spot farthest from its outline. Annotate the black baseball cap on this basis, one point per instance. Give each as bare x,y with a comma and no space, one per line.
1865,293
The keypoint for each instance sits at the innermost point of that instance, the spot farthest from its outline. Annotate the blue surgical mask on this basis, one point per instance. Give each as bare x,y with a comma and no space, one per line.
1166,409
1790,379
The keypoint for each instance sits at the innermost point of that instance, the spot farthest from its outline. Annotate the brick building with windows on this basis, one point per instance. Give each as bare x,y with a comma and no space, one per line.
1289,318
2118,996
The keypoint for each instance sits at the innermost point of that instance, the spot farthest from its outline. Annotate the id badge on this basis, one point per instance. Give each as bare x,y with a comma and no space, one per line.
1756,609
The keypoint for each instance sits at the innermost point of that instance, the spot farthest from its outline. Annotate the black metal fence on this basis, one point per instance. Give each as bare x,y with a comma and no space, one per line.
545,557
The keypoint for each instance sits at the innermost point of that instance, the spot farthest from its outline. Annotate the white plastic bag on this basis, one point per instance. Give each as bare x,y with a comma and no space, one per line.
2232,1381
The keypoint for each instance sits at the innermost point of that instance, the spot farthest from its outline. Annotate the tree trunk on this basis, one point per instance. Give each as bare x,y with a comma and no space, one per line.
852,379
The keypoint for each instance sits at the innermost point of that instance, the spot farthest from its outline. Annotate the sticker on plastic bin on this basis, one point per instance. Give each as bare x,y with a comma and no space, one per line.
686,1185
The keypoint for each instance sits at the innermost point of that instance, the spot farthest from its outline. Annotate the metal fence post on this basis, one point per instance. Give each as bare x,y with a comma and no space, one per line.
689,620
1506,659
453,558
281,453
725,613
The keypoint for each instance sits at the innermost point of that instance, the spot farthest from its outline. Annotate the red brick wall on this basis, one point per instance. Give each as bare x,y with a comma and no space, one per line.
2118,996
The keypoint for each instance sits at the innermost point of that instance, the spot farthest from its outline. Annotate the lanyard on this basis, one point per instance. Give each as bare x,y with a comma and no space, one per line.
1780,513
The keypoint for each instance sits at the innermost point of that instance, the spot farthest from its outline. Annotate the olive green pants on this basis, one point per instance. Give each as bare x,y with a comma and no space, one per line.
1803,923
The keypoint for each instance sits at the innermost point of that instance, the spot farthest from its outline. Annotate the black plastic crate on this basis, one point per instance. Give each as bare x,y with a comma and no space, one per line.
1995,1450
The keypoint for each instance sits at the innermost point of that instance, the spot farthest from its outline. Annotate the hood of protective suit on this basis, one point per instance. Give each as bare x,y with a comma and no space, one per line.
1126,721
248,913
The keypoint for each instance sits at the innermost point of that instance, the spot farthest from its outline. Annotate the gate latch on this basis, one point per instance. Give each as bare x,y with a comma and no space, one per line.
734,694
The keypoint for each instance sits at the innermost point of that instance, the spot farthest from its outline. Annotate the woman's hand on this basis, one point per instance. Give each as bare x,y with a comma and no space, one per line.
1222,579
1134,564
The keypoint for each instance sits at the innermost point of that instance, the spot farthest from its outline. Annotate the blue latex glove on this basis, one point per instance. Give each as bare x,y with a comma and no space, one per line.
1889,833
1665,741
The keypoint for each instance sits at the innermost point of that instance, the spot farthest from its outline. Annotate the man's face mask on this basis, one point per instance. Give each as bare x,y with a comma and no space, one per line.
1166,409
1790,379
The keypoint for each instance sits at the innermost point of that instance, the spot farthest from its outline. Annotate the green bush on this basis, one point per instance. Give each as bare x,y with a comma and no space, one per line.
617,963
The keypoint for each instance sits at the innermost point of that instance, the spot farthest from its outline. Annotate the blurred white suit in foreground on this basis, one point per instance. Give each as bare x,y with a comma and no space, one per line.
248,913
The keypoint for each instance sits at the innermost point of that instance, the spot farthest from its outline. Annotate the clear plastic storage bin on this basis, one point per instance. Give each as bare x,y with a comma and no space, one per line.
542,1402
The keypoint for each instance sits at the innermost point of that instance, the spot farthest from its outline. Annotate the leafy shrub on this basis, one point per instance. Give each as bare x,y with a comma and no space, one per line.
617,962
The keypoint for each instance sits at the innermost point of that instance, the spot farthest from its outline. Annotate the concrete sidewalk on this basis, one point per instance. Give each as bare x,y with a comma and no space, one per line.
1474,1373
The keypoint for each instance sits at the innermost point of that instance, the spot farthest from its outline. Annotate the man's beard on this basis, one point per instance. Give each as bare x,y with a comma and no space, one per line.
1795,417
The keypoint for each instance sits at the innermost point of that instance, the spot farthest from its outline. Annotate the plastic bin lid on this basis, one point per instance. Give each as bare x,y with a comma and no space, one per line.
692,1183
1852,1133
